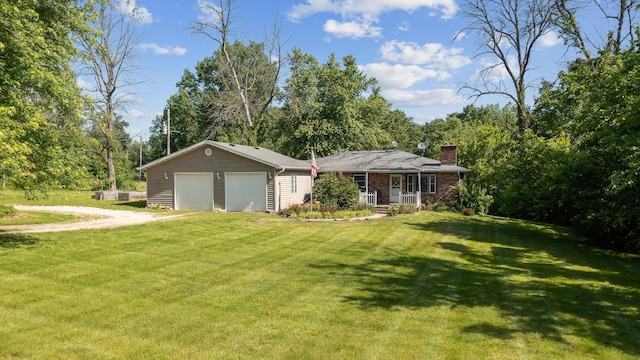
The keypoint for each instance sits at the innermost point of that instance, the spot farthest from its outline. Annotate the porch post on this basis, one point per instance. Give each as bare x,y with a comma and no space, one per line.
366,182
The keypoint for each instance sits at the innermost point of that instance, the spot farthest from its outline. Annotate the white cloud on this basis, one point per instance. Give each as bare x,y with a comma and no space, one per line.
84,84
401,76
129,7
359,15
166,50
432,54
492,72
352,29
207,11
550,39
134,113
404,26
372,8
415,98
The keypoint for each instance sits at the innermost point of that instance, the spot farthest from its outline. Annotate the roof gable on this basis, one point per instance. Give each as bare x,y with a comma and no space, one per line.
257,154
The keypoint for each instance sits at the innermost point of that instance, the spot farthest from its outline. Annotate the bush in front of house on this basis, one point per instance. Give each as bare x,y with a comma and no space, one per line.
400,209
437,206
321,211
6,211
471,199
336,190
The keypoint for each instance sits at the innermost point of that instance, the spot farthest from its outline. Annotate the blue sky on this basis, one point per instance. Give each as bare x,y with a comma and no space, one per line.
407,45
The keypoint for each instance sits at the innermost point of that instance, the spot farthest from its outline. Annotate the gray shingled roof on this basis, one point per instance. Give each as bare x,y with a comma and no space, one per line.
258,154
383,161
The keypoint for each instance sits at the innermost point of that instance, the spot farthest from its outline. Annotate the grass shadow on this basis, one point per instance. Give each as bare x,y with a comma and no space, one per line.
488,329
14,241
547,283
138,204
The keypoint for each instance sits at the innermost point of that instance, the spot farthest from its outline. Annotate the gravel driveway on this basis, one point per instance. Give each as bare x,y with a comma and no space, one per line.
109,219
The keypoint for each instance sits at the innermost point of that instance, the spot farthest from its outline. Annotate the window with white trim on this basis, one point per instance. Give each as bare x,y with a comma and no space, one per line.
294,183
361,181
428,184
411,183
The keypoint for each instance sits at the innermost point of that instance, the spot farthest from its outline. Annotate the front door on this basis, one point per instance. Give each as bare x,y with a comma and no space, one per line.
395,187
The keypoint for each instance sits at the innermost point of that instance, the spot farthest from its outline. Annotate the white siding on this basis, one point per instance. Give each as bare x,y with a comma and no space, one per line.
283,184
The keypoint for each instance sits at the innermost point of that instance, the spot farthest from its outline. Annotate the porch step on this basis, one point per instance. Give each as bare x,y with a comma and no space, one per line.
383,209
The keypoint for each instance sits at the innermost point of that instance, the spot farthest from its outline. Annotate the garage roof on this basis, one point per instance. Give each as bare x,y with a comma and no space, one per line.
255,153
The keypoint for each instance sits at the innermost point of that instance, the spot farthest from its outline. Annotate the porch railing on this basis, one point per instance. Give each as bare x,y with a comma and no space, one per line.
412,198
370,198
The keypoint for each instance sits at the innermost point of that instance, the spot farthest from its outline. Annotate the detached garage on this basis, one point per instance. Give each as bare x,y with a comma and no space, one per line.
211,175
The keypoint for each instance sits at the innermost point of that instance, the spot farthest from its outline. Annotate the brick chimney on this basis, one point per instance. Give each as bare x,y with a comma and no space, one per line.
449,155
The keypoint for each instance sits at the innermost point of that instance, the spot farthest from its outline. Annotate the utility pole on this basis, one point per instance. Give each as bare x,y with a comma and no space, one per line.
140,155
168,131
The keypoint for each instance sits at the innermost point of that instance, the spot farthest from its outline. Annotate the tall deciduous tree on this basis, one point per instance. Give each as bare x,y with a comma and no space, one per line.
601,101
330,106
205,105
484,136
40,103
110,63
619,20
240,69
507,30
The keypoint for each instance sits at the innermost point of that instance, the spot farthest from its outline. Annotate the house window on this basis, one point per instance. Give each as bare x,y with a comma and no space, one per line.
361,181
411,183
428,184
294,183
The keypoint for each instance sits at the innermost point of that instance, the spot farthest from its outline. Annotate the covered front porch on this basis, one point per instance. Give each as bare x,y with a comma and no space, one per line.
404,188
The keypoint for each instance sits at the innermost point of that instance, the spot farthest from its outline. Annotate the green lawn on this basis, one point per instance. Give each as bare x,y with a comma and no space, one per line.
39,217
427,286
65,197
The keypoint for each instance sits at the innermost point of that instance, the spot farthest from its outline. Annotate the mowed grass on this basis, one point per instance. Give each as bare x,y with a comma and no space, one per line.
210,286
66,197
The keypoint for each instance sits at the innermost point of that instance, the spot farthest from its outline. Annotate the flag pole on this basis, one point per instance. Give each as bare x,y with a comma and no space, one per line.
314,173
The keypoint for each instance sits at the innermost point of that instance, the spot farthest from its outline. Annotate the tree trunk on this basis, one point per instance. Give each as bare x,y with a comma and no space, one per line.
111,170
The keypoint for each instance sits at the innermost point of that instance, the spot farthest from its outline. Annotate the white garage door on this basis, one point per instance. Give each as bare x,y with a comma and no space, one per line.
194,191
246,191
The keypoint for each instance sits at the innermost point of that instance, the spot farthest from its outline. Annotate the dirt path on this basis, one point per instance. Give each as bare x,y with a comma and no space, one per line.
109,219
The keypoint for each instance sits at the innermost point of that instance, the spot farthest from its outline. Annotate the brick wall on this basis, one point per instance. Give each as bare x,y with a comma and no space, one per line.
444,181
449,154
380,183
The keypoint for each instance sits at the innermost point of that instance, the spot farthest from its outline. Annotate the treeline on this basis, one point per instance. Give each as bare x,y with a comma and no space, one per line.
577,165
331,106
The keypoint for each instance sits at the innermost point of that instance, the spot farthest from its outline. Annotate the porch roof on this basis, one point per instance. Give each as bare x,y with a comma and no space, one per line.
383,161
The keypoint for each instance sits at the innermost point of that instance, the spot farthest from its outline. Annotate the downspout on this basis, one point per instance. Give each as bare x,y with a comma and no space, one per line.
276,179
419,186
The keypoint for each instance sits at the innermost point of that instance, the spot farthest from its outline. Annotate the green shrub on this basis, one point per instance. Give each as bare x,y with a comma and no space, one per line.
323,211
6,211
437,206
362,206
336,190
294,210
402,209
469,197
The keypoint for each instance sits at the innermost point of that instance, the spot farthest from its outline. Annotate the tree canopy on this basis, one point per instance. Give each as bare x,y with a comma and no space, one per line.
40,103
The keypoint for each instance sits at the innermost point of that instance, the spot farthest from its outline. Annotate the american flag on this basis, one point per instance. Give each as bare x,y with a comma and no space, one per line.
314,166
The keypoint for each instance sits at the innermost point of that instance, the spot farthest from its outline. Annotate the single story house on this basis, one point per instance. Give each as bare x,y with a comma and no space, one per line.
393,176
212,175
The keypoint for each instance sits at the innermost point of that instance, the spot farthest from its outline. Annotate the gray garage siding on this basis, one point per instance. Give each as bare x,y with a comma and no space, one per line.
160,190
